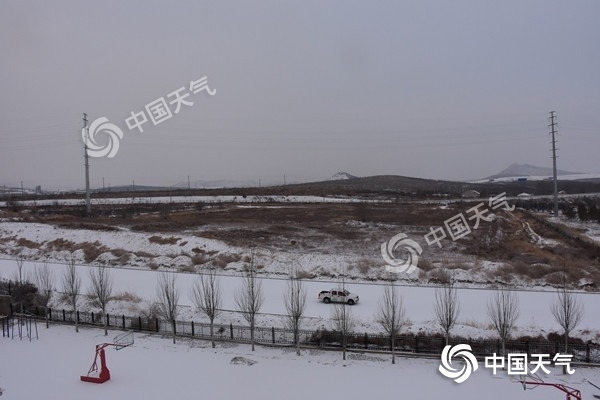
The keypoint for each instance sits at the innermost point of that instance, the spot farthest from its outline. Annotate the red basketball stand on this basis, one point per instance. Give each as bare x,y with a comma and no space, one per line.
120,341
535,381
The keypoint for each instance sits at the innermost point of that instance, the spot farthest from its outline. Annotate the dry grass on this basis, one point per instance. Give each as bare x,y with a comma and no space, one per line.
223,260
365,265
127,296
200,259
61,245
163,240
22,242
188,268
91,251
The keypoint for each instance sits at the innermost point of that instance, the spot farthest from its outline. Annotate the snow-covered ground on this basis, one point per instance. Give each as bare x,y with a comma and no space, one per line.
535,317
189,199
154,368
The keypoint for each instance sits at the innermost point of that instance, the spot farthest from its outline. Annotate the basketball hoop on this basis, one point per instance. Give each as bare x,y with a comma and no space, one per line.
119,342
123,340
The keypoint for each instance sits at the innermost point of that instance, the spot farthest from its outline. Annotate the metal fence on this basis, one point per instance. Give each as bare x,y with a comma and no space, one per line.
407,343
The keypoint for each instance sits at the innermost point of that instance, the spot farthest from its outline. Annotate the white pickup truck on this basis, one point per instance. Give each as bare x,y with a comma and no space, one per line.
338,296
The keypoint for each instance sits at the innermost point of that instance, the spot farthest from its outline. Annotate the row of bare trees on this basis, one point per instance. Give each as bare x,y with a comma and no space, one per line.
502,308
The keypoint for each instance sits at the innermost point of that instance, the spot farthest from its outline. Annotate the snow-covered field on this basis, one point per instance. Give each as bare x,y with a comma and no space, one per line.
154,368
189,199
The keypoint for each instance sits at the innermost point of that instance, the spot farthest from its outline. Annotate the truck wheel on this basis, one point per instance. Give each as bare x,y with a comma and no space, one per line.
326,300
350,302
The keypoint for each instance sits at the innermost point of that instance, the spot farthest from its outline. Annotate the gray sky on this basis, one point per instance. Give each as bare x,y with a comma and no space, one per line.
434,89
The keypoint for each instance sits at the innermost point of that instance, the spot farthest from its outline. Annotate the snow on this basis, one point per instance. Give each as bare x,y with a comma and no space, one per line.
189,199
154,368
534,319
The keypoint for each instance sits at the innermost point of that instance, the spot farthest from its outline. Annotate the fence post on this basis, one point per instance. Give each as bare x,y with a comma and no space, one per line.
93,318
587,352
367,341
416,344
64,316
192,328
231,330
123,321
273,334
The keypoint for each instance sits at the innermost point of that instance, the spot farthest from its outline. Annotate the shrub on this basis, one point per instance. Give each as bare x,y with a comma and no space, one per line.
200,259
127,296
91,251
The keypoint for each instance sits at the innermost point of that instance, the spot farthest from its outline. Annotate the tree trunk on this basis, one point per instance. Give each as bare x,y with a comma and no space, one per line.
393,348
212,337
566,351
47,323
252,334
173,326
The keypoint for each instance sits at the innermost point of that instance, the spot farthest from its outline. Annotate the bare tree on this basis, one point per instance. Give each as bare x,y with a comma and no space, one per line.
391,314
206,294
168,298
503,311
72,287
45,281
249,298
344,323
20,280
446,305
567,310
295,300
101,290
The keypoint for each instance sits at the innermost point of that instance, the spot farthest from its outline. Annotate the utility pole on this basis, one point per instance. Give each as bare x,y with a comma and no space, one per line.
103,184
22,190
552,127
189,183
88,204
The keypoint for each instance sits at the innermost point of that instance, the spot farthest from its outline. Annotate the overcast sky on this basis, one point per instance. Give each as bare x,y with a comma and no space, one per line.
434,89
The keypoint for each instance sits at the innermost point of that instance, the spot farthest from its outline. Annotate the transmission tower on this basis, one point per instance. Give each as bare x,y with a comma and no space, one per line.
552,127
88,205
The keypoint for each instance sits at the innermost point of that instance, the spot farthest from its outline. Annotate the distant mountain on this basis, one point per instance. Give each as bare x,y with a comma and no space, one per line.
216,184
527,170
341,176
